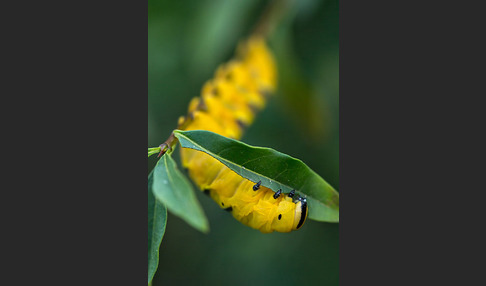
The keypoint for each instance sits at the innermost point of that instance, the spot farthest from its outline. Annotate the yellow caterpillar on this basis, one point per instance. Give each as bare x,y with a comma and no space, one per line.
227,105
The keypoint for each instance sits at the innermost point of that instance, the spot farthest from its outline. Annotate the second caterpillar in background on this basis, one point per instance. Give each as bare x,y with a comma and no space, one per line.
228,104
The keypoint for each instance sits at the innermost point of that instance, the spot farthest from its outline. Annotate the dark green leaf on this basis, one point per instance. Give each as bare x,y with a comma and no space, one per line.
157,220
173,189
274,169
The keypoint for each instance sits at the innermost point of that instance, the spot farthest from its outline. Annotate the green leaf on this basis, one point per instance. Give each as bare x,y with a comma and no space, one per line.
153,150
157,220
173,189
274,169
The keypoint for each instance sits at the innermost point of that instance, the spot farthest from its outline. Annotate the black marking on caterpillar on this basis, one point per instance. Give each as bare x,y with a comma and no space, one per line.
202,105
229,76
277,194
303,213
253,108
191,115
265,93
257,186
241,124
216,91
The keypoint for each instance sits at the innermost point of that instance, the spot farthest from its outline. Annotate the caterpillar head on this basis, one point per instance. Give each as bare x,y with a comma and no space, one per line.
300,213
291,213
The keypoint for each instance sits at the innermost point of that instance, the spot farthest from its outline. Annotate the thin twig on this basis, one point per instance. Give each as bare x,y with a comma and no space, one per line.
167,145
270,17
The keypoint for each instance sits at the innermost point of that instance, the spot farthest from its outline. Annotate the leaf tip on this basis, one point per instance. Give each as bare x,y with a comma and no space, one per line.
203,225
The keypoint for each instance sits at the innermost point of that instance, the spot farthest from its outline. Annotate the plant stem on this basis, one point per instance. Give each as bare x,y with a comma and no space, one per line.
167,145
270,17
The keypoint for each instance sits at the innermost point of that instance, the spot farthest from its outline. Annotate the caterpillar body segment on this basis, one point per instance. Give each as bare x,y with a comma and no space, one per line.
259,209
237,74
233,99
229,120
260,62
229,103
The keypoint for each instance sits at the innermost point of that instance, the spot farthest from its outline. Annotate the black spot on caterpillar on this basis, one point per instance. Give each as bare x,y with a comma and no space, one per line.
241,124
277,194
292,193
257,185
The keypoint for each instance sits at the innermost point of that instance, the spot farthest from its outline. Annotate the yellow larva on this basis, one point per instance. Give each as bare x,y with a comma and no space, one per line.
227,105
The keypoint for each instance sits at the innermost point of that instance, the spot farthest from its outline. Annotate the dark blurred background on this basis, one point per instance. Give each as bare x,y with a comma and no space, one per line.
187,40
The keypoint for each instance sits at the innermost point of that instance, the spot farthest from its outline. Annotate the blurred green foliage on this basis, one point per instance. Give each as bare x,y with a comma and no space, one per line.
187,40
